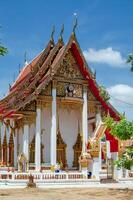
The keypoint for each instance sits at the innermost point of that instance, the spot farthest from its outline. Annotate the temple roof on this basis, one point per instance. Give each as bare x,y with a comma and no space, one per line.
25,71
39,72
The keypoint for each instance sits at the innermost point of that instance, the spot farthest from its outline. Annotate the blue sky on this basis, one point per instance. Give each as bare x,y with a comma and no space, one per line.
105,34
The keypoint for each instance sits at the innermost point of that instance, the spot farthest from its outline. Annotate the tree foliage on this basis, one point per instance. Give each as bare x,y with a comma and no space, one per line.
126,160
123,130
130,60
3,50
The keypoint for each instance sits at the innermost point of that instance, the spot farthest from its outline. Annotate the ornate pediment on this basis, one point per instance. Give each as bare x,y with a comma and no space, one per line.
69,68
65,89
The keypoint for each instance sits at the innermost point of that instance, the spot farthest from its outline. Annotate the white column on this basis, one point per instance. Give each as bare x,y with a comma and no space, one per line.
38,139
3,127
108,149
26,141
118,173
85,119
53,127
100,155
96,168
98,115
15,148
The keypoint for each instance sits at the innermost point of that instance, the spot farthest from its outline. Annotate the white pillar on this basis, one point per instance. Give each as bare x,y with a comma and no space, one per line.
108,149
85,119
26,141
98,115
118,173
98,118
96,168
100,155
38,139
53,127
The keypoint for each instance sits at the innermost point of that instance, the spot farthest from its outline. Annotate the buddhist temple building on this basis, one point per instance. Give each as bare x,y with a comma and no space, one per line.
52,110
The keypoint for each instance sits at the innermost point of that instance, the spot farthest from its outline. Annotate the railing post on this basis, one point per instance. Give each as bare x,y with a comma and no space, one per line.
13,176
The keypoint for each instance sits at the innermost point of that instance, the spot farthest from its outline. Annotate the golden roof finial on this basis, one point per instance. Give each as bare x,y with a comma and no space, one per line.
19,68
9,86
25,58
52,34
75,23
61,32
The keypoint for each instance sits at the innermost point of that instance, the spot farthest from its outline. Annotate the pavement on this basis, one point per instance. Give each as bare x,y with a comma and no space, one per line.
76,185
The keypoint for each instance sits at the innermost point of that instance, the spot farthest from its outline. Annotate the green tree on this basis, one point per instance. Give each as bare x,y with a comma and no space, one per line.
3,50
124,131
130,60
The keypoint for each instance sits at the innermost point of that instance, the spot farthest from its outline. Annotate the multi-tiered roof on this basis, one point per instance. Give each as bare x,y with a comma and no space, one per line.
36,75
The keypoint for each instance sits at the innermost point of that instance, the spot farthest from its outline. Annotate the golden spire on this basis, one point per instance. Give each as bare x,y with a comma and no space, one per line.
75,23
9,86
61,32
19,68
25,58
52,34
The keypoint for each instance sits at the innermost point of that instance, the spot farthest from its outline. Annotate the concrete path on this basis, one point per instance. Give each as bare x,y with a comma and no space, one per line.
76,185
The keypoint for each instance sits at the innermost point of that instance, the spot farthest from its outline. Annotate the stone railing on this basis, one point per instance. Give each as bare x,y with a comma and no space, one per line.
43,176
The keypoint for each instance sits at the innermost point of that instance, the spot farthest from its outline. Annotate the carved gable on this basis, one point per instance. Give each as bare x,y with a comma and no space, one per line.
69,68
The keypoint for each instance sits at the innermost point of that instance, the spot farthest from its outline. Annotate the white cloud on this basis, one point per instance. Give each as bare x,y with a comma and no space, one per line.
122,98
105,56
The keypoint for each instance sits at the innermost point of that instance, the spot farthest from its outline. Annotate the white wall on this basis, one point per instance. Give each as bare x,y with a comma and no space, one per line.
68,122
69,130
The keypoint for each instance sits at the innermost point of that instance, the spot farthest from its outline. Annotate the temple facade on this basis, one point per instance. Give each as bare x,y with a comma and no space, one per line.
51,112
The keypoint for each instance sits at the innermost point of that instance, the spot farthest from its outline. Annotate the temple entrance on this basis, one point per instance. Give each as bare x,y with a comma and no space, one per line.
61,151
77,151
32,151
